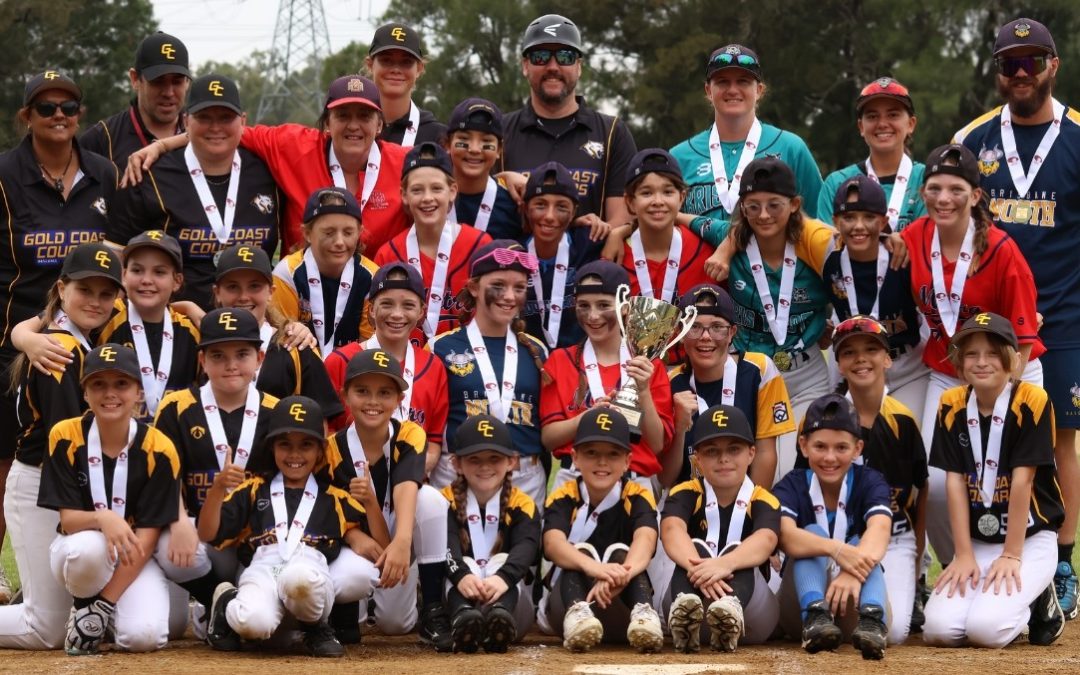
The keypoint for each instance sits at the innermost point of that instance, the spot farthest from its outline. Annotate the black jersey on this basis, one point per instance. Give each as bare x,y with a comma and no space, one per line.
430,129
616,525
294,372
519,537
46,400
119,136
408,453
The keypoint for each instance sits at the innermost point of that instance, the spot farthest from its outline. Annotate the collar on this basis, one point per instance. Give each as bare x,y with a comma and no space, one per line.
30,170
583,116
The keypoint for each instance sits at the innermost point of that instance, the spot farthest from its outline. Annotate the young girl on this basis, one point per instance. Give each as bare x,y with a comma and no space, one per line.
395,62
115,483
1004,501
326,285
437,246
493,538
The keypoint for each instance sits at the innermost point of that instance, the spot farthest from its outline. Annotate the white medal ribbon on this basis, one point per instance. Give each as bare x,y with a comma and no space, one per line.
821,514
408,372
671,269
96,471
551,320
438,278
585,522
988,468
243,449
356,450
776,315
371,173
409,138
222,228
592,369
899,190
483,529
728,191
1021,180
266,334
499,403
849,279
738,515
727,393
487,206
325,327
153,382
289,535
949,304
61,319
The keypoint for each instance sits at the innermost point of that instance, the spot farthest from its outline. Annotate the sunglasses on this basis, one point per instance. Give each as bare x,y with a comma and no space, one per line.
563,57
1032,65
726,59
884,87
506,257
859,324
48,108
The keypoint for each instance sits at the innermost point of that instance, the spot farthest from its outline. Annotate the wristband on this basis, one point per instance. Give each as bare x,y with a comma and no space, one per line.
1011,557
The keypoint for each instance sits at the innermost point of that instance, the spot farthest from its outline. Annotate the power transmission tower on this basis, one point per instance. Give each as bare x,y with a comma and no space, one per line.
301,43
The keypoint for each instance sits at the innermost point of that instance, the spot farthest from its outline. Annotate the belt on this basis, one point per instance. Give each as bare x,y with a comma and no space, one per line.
789,360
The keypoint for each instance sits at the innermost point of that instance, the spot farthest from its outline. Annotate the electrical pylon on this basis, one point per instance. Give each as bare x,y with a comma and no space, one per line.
301,43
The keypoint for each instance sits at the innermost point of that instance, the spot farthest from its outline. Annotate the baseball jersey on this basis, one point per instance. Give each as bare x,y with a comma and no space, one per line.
247,518
568,395
868,495
696,163
118,136
153,468
428,130
299,158
760,393
595,148
635,509
166,200
41,228
1026,440
1002,283
182,418
686,501
519,536
296,372
691,267
466,388
1045,221
408,452
427,403
294,286
911,208
505,219
896,305
582,251
45,400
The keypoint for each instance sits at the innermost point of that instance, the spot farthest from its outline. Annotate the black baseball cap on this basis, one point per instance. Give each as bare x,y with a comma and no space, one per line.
476,114
988,322
214,91
733,56
551,29
486,259
377,361
92,259
111,357
869,196
396,36
243,257
159,240
296,413
551,178
1024,33
611,275
722,304
50,79
412,282
859,325
482,432
605,425
653,160
722,421
953,159
831,411
161,54
353,89
427,154
885,87
331,195
768,174
228,324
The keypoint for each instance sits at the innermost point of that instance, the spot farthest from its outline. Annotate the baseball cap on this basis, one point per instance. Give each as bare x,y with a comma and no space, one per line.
1024,33
396,36
243,257
612,275
551,178
955,160
606,425
296,413
988,322
653,160
228,324
722,421
111,357
869,196
733,56
476,114
427,154
482,432
161,54
831,411
722,306
412,281
213,91
768,174
885,87
551,29
92,259
375,361
50,79
159,240
331,195
859,325
502,254
353,89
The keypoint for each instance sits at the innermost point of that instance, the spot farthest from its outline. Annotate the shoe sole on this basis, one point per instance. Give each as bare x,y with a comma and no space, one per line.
1071,614
725,629
467,635
645,640
828,639
871,646
588,635
229,640
685,626
499,632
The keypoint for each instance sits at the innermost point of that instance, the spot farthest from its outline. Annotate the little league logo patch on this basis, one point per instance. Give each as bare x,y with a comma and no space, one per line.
780,412
990,160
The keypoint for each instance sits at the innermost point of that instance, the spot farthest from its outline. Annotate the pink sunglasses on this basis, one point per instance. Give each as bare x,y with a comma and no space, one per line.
506,257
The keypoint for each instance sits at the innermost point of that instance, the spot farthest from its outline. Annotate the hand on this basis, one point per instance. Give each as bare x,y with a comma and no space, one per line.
710,575
366,547
495,586
394,563
46,354
614,246
298,336
141,160
601,593
718,264
183,543
961,572
230,476
598,229
1003,570
686,405
514,183
641,369
1038,321
121,544
844,588
360,490
613,573
895,245
854,561
472,587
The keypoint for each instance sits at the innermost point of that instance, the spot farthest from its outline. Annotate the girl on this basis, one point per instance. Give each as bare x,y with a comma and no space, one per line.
436,245
1004,501
493,537
395,62
109,524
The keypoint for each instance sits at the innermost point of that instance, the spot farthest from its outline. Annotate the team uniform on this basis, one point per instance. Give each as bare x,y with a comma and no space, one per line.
148,498
912,206
500,219
682,269
291,372
428,129
118,136
541,319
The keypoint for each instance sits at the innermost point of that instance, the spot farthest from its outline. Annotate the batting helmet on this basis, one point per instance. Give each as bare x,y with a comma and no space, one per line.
551,29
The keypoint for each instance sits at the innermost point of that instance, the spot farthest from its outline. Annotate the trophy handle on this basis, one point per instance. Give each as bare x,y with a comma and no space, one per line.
622,296
687,320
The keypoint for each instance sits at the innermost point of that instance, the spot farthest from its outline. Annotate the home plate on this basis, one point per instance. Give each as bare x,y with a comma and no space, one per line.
656,669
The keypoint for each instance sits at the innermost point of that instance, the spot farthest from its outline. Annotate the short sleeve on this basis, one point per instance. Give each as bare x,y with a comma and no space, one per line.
59,483
681,501
159,498
621,150
410,452
558,512
314,382
236,514
788,493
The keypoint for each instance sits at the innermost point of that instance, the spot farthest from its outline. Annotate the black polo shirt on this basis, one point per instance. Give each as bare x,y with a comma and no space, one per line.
118,136
430,129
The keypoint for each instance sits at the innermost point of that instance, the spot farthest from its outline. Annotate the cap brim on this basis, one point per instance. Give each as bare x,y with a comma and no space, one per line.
154,72
480,447
217,341
1046,48
131,248
90,373
964,332
353,99
388,48
89,274
203,105
882,339
598,438
300,430
721,434
400,381
756,72
905,100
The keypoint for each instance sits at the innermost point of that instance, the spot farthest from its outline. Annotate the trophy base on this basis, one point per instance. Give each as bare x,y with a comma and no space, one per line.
632,415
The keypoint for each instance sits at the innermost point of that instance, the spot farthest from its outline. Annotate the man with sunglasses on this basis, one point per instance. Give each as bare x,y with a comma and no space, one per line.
1026,150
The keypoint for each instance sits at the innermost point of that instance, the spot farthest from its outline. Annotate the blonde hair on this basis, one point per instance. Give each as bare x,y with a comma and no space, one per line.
18,369
1002,349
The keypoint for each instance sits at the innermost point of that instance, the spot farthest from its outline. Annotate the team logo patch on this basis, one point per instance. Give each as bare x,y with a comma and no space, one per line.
460,364
100,206
780,412
594,149
198,432
1075,392
990,160
799,295
264,204
1022,30
704,169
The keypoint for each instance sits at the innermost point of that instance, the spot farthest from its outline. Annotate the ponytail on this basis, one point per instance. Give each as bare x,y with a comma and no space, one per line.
518,326
504,504
980,213
458,490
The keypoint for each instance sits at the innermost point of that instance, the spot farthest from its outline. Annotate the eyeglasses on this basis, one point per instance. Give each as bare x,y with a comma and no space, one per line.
726,59
775,208
48,108
505,257
1009,66
563,57
859,324
717,331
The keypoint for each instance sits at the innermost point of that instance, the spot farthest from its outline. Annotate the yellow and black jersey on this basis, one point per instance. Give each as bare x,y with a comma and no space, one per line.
182,418
45,400
519,536
408,452
1027,440
153,474
294,372
247,518
617,525
687,502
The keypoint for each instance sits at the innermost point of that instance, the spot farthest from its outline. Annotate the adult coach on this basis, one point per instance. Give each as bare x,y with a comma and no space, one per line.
160,79
396,61
1027,161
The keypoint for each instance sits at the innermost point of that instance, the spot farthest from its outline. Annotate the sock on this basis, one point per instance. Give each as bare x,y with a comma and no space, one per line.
1065,552
202,589
432,579
345,615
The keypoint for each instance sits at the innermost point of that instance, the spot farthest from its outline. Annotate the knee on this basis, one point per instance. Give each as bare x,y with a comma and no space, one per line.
80,562
299,583
353,577
940,630
201,566
898,631
143,636
252,620
990,630
430,504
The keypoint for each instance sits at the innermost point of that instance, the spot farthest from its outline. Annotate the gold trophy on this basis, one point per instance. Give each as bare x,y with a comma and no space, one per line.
646,330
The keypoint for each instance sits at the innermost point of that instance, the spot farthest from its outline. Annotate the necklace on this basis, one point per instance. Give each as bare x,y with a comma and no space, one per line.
219,180
58,181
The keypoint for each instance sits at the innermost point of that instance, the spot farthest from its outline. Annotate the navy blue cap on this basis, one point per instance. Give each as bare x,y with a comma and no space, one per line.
551,178
869,196
612,275
428,154
722,304
412,281
768,174
331,200
832,411
476,114
653,160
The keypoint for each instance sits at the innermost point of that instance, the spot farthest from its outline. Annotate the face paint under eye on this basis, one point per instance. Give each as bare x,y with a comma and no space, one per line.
489,147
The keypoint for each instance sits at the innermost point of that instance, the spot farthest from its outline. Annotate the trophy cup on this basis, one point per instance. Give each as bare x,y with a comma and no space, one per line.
647,331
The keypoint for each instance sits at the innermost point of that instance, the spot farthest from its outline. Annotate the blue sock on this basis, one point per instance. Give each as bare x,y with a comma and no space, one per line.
873,589
811,579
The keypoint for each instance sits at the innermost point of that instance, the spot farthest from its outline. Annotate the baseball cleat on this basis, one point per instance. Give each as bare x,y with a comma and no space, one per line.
684,621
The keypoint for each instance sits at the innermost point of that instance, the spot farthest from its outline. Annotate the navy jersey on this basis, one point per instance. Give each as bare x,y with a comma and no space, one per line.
505,219
896,304
868,495
582,251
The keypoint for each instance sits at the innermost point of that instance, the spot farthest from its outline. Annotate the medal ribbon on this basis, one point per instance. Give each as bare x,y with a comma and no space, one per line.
153,382
222,228
371,173
728,191
289,535
585,522
821,514
738,515
988,468
487,206
1021,180
498,405
671,269
849,279
438,279
777,315
899,190
325,326
949,303
558,291
727,394
483,529
212,412
592,368
96,470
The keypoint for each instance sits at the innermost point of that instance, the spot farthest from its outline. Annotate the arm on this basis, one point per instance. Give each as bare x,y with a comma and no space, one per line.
763,470
125,575
615,241
524,545
676,539
642,550
963,569
225,481
363,544
554,435
875,540
1021,363
919,526
394,562
141,160
1006,568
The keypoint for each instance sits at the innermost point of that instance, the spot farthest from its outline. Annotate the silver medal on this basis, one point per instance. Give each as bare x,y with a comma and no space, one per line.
988,524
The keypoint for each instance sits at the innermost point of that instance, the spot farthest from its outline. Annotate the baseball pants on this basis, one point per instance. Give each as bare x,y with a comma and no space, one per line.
899,565
272,586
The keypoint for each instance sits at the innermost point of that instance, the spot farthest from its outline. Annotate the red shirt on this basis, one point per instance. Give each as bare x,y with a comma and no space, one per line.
691,267
568,396
297,157
1002,284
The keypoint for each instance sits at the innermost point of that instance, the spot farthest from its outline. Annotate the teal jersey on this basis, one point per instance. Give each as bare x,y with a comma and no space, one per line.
912,208
702,198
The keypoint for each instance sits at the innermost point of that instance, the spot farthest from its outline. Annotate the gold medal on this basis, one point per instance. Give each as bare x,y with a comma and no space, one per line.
782,360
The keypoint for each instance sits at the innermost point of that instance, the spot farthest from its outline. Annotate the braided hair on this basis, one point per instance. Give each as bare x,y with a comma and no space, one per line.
459,490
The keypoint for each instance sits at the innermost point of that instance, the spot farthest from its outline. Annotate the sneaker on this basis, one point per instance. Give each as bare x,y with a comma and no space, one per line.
320,641
6,593
86,627
467,630
1047,620
581,629
644,632
219,633
500,629
819,633
199,617
870,634
435,627
918,608
725,617
1066,587
684,621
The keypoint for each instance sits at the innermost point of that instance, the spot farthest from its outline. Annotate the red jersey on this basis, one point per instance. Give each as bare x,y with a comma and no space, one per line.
297,157
568,396
691,271
1002,284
